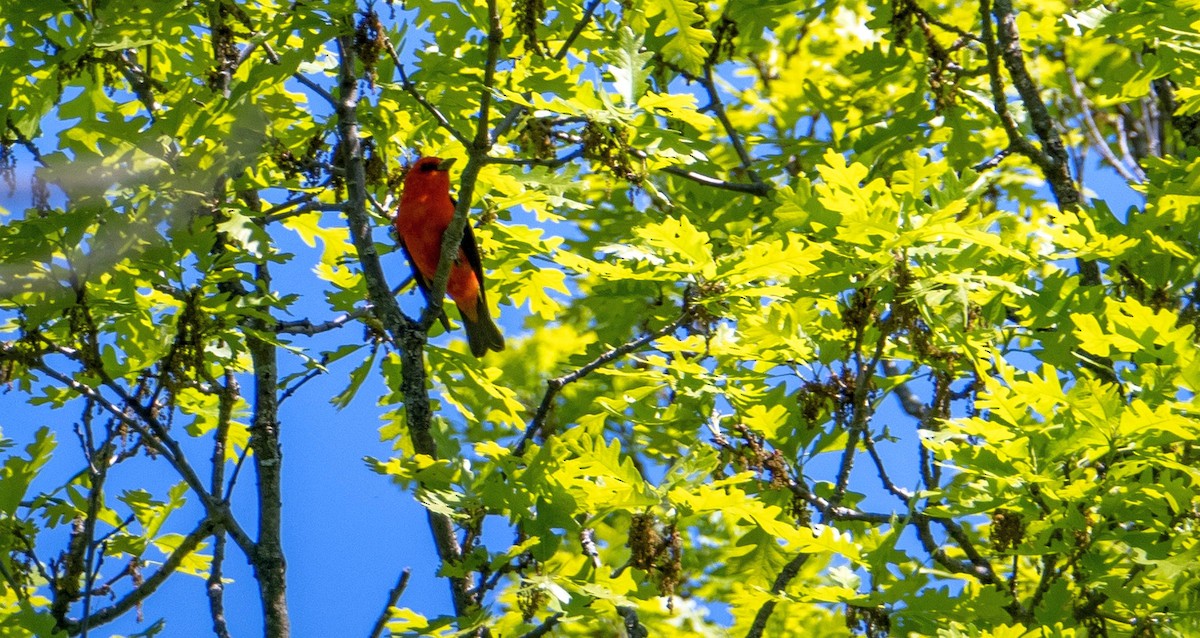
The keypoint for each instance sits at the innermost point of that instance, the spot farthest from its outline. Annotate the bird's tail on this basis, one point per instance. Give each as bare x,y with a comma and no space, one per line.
482,332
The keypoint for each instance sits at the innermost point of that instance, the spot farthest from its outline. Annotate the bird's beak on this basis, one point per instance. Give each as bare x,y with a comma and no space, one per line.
446,164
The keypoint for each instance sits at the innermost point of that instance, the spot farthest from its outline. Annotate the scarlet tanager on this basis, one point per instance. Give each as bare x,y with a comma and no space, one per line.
426,209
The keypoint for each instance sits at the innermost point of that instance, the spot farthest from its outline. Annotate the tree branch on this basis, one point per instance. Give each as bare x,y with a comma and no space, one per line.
216,587
186,547
718,108
477,156
1093,131
548,624
1016,139
535,161
393,597
411,89
556,384
495,36
858,425
785,576
408,336
884,479
1054,161
269,565
25,142
308,328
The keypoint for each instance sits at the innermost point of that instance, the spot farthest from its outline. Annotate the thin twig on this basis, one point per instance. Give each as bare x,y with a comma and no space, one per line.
291,390
833,511
233,476
761,189
537,161
273,57
186,547
1093,131
993,161
393,597
785,576
308,207
556,384
157,437
544,628
930,18
495,37
308,328
718,108
26,142
420,98
588,12
899,492
938,552
139,82
861,405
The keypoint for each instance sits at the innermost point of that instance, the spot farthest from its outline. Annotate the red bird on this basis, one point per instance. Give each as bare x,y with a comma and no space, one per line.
426,209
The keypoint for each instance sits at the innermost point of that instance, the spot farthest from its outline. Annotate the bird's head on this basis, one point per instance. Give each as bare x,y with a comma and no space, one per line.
430,170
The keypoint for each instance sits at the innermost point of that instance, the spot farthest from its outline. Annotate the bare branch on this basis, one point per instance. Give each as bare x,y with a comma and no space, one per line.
931,19
186,547
899,492
495,37
836,512
216,588
588,12
785,576
308,328
761,189
1016,139
544,628
227,395
547,163
1053,158
1098,141
993,161
858,425
273,57
25,142
308,207
393,597
555,385
411,89
718,108
138,80
420,98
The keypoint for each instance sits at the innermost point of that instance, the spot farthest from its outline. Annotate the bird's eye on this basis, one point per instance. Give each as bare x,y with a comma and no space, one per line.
431,166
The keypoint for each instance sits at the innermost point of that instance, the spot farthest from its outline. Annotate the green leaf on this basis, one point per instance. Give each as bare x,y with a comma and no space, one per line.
18,473
687,36
630,66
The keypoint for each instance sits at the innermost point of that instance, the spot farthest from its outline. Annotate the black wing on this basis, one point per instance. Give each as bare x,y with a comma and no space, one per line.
470,248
